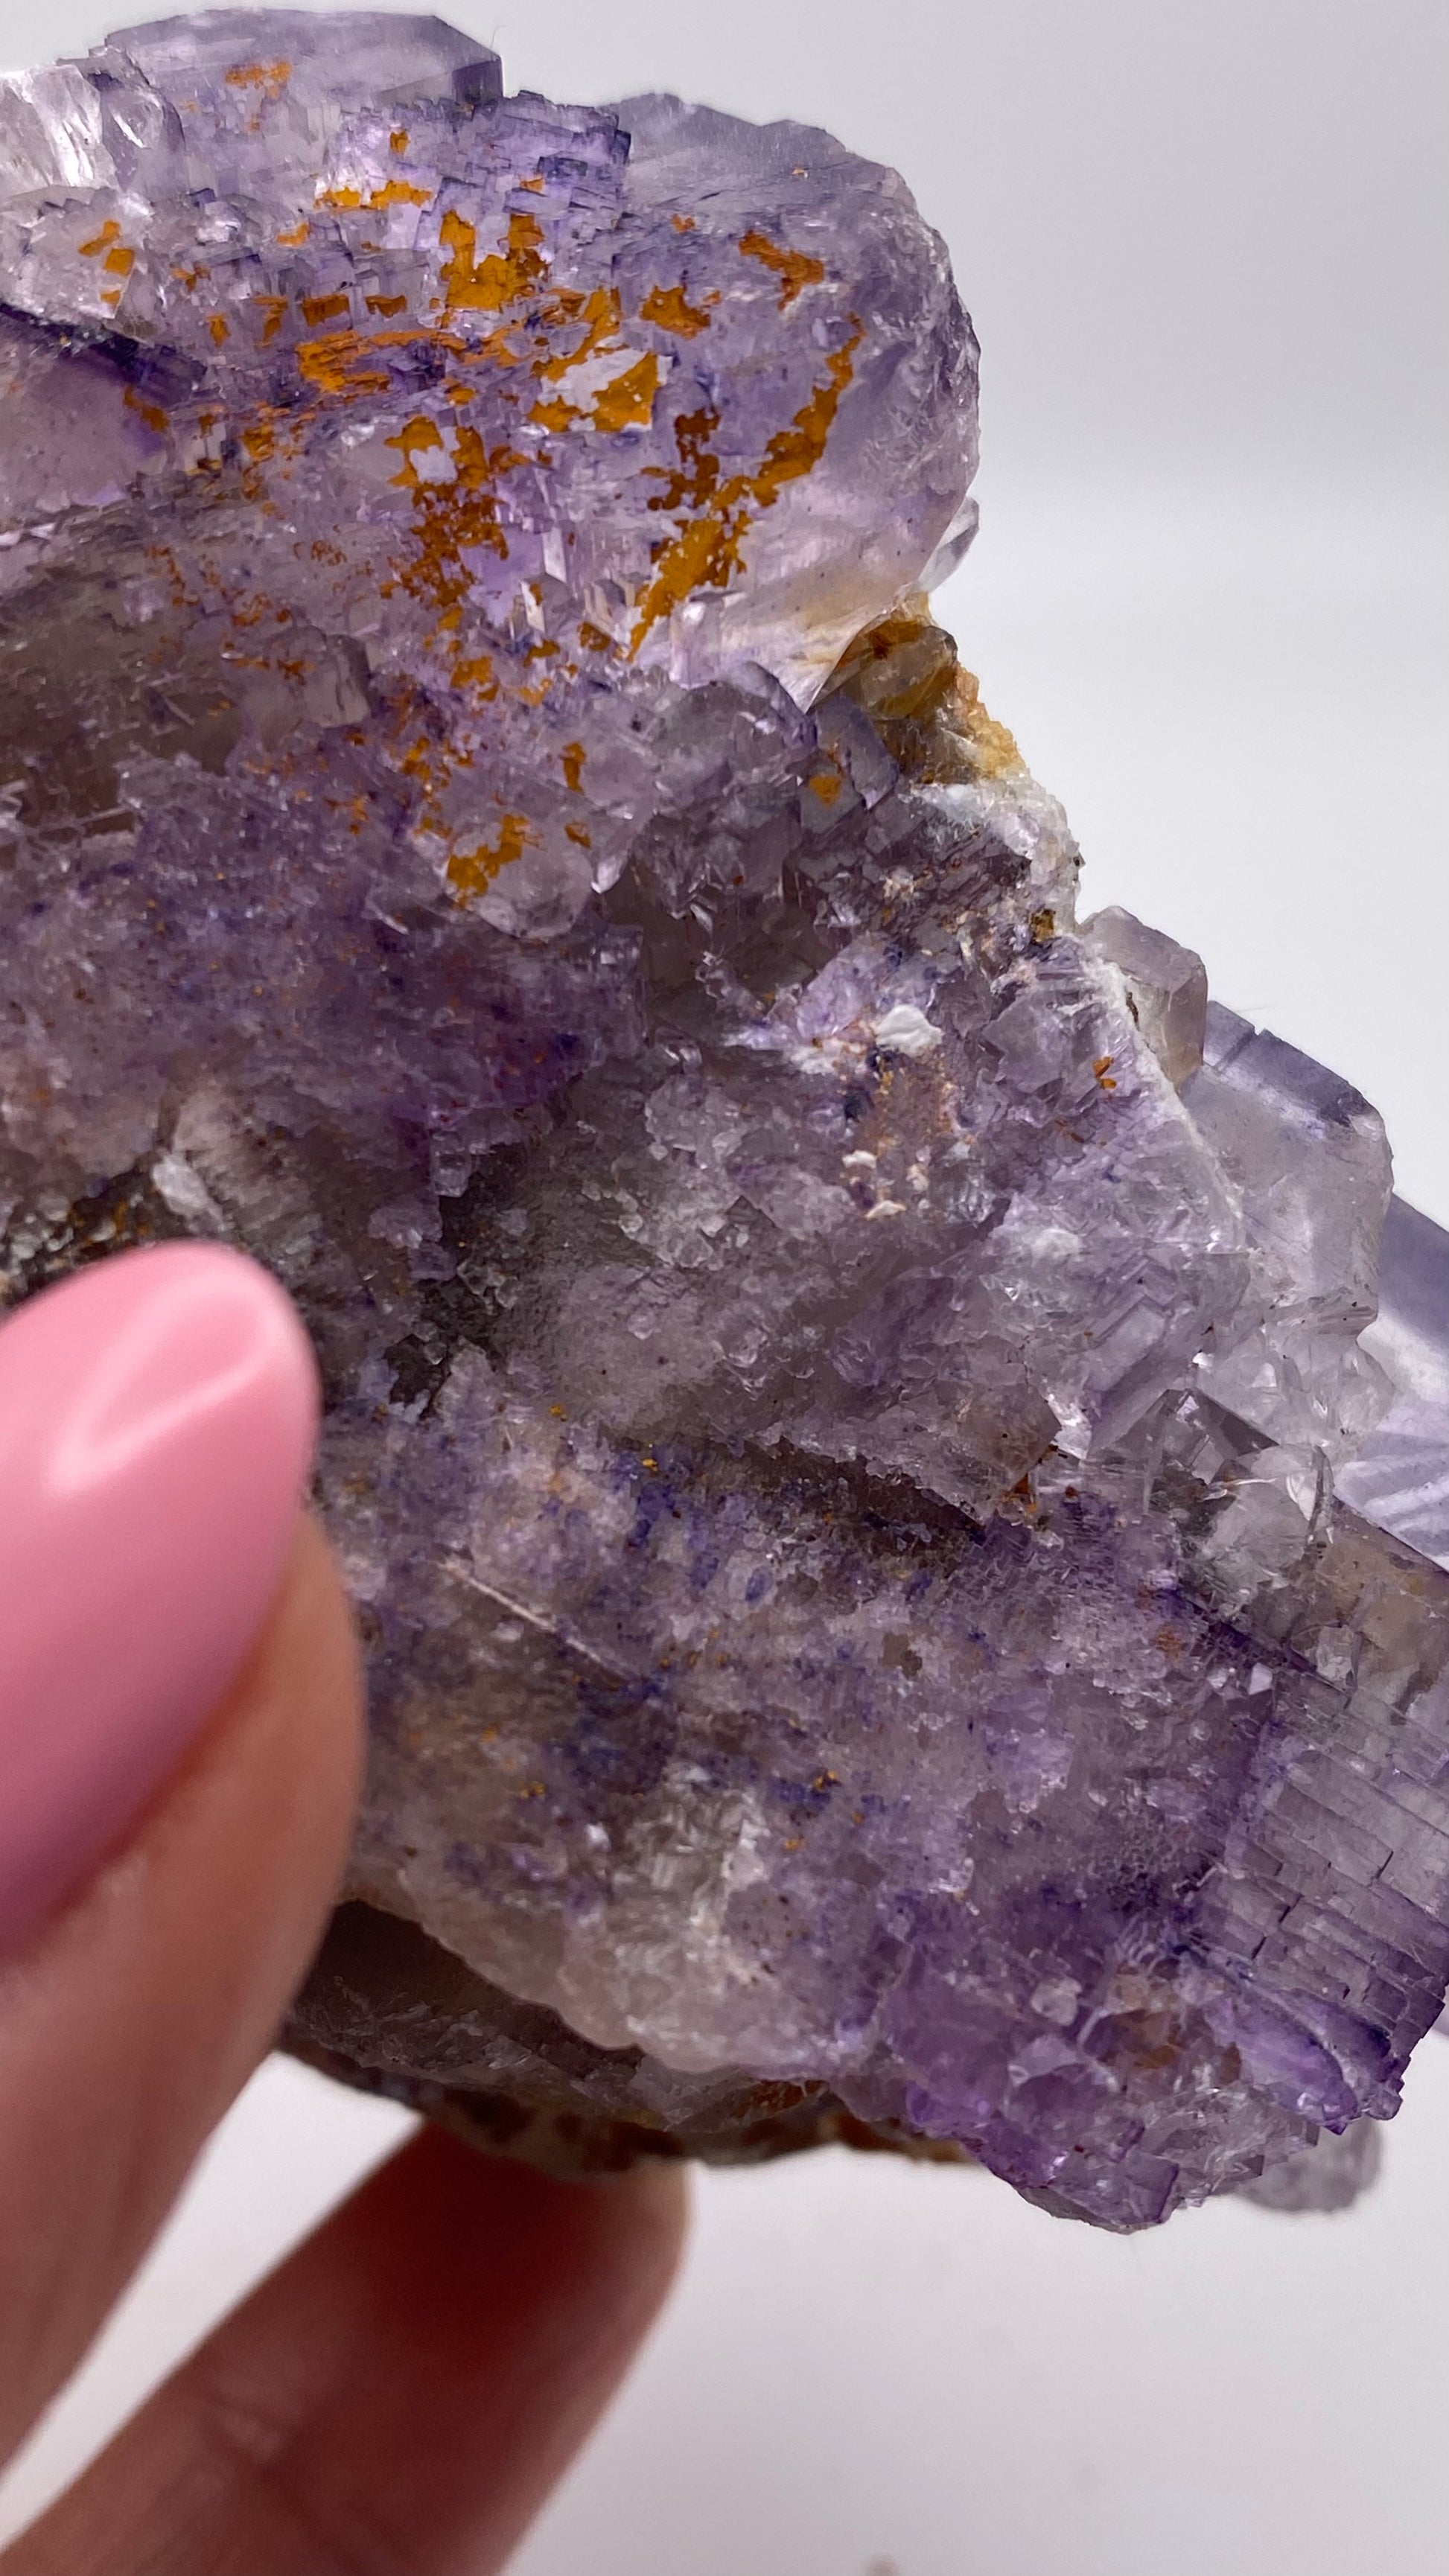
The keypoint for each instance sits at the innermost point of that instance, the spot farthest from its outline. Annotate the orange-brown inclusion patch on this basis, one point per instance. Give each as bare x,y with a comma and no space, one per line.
347,361
794,268
669,309
270,78
573,757
600,313
450,518
414,436
471,872
628,401
475,672
554,413
114,256
152,413
324,308
488,285
706,550
393,192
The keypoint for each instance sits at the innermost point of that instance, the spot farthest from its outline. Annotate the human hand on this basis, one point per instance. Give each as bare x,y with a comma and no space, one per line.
180,1744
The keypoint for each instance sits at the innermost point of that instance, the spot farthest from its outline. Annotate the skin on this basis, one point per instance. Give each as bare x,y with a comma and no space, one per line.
400,2396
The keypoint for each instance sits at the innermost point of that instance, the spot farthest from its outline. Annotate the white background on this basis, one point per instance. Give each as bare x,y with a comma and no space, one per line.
1205,253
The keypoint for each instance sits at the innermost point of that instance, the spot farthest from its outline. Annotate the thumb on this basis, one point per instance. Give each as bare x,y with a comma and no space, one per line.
179,1751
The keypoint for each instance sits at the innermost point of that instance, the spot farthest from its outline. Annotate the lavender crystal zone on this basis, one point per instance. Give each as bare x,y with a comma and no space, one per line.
836,1376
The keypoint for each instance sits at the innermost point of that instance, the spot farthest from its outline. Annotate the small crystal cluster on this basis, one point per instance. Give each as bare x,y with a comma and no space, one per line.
835,1372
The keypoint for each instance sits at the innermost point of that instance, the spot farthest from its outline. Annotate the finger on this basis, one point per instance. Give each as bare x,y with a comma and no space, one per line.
156,1415
127,2026
399,2398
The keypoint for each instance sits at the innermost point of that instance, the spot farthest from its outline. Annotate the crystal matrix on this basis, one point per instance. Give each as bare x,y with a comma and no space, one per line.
835,1373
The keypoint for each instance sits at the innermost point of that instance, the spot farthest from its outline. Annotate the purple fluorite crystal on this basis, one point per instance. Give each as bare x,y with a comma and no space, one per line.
835,1373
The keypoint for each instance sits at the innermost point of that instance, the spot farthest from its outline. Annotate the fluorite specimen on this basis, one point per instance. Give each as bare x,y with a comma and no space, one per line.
836,1373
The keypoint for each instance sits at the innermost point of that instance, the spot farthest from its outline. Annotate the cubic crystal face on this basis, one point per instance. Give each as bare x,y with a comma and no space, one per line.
835,1373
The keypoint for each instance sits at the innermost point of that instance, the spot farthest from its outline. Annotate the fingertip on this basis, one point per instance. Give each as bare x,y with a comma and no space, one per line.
158,1414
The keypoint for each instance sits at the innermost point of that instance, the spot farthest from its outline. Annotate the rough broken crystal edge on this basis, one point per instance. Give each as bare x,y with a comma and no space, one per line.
360,52
1166,986
388,2010
1323,2179
1399,1478
385,2008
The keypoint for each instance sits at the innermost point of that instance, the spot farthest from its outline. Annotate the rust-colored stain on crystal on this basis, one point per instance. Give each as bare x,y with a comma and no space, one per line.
572,758
115,257
693,480
353,363
414,439
627,401
474,673
600,314
151,413
324,308
794,268
451,516
339,365
669,309
796,450
270,79
393,192
471,872
705,552
488,285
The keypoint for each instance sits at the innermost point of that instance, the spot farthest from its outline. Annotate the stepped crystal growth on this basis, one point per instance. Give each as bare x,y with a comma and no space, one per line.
835,1372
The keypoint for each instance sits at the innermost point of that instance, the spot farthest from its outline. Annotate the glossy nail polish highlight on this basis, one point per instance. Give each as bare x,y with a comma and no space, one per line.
157,1419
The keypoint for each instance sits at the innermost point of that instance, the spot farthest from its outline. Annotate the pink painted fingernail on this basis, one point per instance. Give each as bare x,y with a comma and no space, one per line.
157,1417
